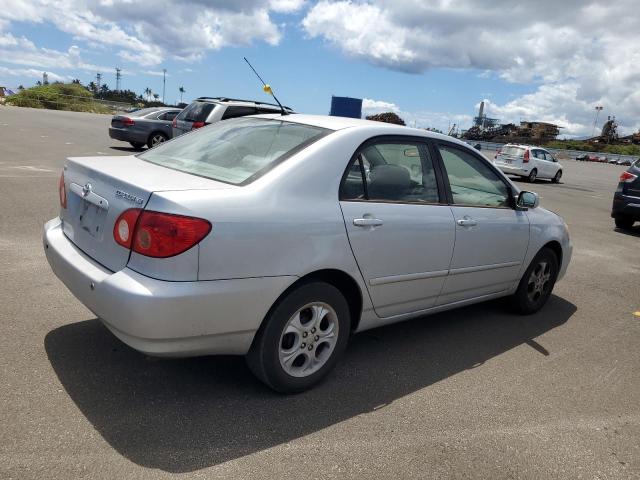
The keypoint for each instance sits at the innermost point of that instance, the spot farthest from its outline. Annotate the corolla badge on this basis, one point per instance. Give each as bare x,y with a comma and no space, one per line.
129,197
87,189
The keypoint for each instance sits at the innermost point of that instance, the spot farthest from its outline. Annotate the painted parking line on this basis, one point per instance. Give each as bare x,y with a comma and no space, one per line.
31,168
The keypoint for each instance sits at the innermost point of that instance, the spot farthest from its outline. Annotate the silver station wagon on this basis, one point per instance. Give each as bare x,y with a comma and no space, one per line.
278,237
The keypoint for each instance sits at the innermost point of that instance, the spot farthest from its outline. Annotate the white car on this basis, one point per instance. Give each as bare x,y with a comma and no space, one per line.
277,237
529,162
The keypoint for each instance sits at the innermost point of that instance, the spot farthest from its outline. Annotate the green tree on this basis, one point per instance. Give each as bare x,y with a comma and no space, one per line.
181,90
147,92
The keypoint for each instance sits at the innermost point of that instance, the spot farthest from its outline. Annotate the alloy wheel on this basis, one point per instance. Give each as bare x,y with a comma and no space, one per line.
308,339
538,284
156,139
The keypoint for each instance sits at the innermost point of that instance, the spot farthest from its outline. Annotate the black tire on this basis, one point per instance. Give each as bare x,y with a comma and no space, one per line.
156,138
136,145
533,174
557,177
624,223
525,300
264,356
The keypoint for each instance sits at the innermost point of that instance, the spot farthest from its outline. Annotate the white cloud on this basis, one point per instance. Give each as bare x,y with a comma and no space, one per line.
580,53
370,107
33,73
147,34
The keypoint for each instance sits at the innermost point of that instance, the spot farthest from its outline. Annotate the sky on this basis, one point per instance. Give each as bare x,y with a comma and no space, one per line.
432,62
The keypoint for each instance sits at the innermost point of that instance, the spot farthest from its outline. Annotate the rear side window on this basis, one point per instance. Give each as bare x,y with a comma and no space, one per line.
196,112
168,116
235,112
472,181
236,151
391,171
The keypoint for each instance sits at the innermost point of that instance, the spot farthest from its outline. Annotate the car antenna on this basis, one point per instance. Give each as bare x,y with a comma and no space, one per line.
267,88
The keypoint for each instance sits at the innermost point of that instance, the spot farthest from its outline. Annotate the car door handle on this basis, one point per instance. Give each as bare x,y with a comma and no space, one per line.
467,222
367,222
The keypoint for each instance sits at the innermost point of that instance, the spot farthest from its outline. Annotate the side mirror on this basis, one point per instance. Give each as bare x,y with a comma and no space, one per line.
527,200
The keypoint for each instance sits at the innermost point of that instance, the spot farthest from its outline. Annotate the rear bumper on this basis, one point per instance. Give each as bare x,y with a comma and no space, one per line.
160,317
625,205
512,170
126,135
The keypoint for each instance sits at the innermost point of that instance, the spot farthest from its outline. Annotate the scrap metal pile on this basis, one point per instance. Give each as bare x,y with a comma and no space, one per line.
526,132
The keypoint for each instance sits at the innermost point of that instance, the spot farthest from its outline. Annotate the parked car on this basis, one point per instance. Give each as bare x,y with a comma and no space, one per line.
206,110
626,200
625,162
149,126
277,237
529,162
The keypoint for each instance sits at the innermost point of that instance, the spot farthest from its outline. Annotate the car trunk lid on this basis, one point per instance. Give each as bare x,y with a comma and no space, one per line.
99,189
511,155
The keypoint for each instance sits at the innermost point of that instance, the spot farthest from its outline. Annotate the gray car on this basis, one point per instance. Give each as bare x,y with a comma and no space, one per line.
149,126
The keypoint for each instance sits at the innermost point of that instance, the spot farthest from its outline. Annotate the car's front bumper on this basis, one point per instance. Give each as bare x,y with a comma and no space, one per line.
160,317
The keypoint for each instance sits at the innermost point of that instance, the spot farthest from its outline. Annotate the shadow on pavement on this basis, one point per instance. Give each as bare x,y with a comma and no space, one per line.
188,414
129,149
633,231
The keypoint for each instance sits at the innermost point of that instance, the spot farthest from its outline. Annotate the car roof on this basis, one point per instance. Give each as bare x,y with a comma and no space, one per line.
340,123
523,145
240,103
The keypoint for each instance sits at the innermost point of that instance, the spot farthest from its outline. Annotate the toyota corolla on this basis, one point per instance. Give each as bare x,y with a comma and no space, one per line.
278,237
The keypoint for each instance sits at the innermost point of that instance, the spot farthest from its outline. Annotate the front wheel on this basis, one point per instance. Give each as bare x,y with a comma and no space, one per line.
557,177
301,339
532,175
537,283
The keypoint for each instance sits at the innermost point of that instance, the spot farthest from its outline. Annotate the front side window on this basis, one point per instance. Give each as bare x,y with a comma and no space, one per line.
472,181
235,112
236,151
390,171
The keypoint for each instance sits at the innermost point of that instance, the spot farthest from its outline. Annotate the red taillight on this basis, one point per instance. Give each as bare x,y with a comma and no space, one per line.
157,234
627,177
525,158
62,191
197,125
125,227
128,122
174,124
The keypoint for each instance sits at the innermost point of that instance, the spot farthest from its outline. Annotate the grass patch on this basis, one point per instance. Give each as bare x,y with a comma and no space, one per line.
58,96
629,149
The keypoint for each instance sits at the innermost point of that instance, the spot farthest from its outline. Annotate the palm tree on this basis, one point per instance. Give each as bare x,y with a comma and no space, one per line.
76,81
92,87
156,96
147,92
181,90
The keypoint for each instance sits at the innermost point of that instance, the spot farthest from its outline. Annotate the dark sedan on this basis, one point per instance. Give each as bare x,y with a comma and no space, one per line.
626,200
149,126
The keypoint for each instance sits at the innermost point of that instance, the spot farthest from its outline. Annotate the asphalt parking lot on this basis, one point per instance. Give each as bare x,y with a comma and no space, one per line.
473,393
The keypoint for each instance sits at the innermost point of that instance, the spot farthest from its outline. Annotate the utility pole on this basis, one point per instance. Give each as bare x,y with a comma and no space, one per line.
164,82
118,78
595,122
98,80
45,78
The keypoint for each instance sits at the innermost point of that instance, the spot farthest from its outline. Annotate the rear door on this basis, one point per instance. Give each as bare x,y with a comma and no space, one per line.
400,232
491,237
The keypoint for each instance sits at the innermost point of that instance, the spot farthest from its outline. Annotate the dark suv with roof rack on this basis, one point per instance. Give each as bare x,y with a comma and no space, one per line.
206,110
626,201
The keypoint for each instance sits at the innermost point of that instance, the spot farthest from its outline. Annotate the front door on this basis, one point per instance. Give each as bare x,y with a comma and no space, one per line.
401,235
491,236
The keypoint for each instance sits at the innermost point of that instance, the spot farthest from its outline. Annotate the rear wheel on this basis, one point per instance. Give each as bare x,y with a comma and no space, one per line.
537,283
532,176
624,222
136,145
301,339
156,138
557,177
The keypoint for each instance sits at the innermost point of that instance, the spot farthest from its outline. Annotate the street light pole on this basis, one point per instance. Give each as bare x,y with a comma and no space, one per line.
164,83
595,122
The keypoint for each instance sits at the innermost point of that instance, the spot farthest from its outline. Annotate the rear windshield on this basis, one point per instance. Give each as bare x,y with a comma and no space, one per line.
196,112
235,151
513,151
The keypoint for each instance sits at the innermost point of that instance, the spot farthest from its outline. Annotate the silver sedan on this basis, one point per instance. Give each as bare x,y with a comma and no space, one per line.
277,237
